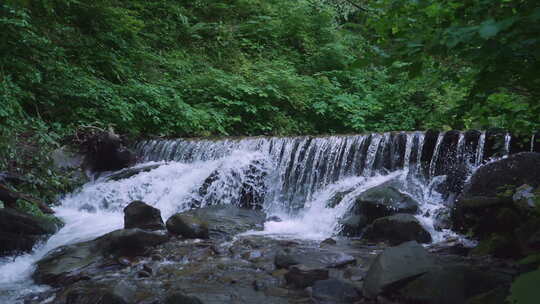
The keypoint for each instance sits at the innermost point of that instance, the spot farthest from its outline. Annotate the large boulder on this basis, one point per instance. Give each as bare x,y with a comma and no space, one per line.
498,200
187,226
380,201
397,229
226,221
71,263
396,266
138,214
452,283
20,231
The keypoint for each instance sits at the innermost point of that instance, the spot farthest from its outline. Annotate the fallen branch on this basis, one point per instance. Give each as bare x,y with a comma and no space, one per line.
10,198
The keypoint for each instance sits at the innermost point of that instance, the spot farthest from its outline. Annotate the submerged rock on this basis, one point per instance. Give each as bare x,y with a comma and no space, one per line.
397,229
138,214
396,265
188,226
320,258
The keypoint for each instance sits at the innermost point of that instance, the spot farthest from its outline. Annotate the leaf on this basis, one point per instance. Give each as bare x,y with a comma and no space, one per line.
488,29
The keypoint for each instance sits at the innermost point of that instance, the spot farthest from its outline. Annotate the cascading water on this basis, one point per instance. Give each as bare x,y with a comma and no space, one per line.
291,177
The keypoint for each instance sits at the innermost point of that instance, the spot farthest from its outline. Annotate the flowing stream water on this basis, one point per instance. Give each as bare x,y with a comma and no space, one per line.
296,176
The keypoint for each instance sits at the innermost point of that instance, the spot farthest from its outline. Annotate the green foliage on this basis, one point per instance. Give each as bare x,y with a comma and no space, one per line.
251,67
524,289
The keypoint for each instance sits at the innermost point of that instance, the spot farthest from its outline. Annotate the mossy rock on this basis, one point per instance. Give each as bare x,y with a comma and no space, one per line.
497,245
495,296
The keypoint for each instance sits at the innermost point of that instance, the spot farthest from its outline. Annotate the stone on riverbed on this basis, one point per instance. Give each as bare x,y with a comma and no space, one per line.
138,214
334,291
76,262
397,229
395,266
187,226
302,276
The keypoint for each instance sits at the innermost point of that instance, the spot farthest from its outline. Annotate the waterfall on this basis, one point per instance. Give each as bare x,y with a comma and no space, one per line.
291,177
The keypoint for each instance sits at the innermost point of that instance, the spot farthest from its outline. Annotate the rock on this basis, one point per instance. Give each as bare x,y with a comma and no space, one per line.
493,200
320,258
395,266
352,225
93,296
492,179
245,187
188,226
180,298
379,201
130,172
274,218
225,221
141,215
284,259
129,242
302,276
105,151
327,242
335,291
397,229
442,219
71,263
451,284
20,231
526,197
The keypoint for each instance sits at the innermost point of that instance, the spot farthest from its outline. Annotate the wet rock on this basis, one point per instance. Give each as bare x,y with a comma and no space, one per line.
352,225
225,221
180,298
88,208
395,266
72,263
284,259
141,215
20,231
442,219
487,204
246,187
143,274
335,291
129,242
105,151
328,242
302,276
397,229
188,226
492,179
319,258
451,284
273,218
130,172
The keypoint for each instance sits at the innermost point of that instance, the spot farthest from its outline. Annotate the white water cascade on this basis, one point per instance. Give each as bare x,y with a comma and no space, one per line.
294,177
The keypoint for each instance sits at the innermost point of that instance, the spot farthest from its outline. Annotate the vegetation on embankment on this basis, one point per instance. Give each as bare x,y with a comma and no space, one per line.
252,67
